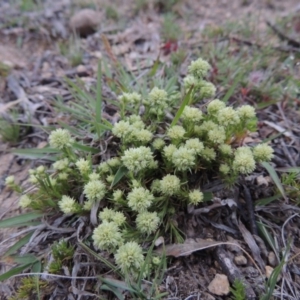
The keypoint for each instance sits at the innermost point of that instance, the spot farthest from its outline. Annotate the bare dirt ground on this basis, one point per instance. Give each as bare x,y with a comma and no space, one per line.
30,47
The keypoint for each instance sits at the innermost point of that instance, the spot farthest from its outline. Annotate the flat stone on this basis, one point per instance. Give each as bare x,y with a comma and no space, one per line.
240,260
219,285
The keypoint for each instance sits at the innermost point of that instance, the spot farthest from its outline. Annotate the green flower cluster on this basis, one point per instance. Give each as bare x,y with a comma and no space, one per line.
137,193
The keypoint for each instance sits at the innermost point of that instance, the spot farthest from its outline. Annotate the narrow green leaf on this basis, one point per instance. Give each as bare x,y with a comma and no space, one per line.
267,236
85,148
117,283
265,201
105,287
275,177
233,87
154,67
20,243
24,259
14,271
105,261
207,196
35,153
21,219
37,267
184,103
108,125
119,175
99,93
78,90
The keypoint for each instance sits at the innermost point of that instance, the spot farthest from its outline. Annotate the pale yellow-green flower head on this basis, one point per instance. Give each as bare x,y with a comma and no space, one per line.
224,169
122,129
195,145
158,143
114,162
217,135
228,117
68,205
183,158
104,167
206,89
142,135
131,98
147,222
225,149
199,68
139,199
40,170
137,159
168,151
110,215
60,138
243,162
61,164
95,190
129,258
208,154
94,176
10,180
117,195
192,114
263,152
195,197
189,81
158,97
246,112
176,132
107,236
83,166
214,106
24,201
169,185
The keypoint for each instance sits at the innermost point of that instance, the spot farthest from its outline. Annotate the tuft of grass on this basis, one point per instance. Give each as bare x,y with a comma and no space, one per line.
238,290
111,13
170,30
71,49
10,129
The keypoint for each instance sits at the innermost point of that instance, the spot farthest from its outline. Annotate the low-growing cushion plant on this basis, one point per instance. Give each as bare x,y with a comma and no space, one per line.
158,146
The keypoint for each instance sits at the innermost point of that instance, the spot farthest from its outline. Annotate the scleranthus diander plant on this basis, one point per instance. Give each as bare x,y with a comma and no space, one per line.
138,193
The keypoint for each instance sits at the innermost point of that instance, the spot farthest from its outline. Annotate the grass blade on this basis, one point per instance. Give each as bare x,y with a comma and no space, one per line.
14,271
232,88
24,259
184,103
85,148
265,201
119,175
115,291
19,220
20,243
275,178
105,261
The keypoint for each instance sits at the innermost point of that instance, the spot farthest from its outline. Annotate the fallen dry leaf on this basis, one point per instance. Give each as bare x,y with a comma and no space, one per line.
187,248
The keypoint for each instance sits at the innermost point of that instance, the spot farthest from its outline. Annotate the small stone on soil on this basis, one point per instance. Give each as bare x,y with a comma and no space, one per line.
240,260
272,259
219,285
85,22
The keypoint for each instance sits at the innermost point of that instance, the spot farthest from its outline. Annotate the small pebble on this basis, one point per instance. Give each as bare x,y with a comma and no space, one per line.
272,259
240,260
219,285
